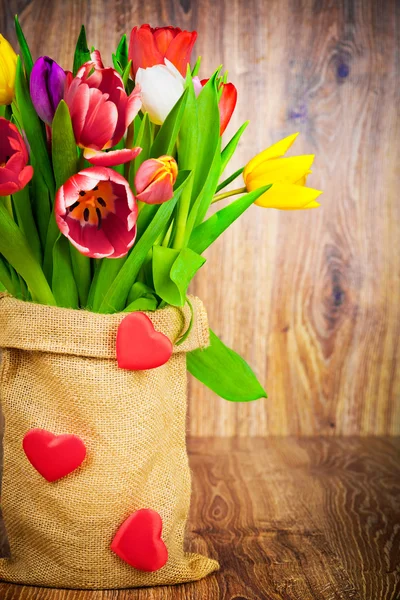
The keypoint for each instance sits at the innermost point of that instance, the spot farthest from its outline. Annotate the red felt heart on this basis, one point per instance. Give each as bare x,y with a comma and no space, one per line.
139,345
138,541
53,456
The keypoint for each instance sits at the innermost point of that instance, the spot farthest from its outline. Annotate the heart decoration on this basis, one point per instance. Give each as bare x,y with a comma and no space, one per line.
53,456
138,541
139,345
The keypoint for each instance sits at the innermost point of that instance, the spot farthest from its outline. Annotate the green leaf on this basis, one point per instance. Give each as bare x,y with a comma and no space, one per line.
63,285
82,52
209,138
122,52
173,271
186,334
187,159
204,199
26,222
33,127
231,146
64,152
142,304
139,290
40,203
126,73
143,139
168,134
16,250
65,164
6,278
104,276
26,53
141,297
225,372
196,67
206,233
229,179
117,294
116,64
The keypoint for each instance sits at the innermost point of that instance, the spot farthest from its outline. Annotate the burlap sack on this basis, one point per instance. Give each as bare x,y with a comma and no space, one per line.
59,373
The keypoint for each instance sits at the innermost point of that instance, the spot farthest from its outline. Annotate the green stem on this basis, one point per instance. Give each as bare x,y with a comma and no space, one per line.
81,162
7,203
219,197
5,277
26,222
128,144
16,250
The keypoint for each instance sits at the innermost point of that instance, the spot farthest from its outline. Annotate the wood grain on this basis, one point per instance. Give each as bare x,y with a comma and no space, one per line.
311,299
305,519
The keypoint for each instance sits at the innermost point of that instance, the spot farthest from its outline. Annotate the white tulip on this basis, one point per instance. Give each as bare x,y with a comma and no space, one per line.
161,87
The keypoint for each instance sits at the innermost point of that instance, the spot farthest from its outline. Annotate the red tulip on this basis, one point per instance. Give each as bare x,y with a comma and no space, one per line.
15,173
101,111
155,180
149,46
96,210
227,103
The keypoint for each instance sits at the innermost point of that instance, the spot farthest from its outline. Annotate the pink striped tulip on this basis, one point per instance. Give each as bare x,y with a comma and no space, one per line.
96,210
15,173
155,180
101,112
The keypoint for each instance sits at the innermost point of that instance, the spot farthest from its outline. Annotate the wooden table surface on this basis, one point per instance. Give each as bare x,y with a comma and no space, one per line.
288,519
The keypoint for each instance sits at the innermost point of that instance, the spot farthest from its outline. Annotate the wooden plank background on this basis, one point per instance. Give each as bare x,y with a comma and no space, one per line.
311,299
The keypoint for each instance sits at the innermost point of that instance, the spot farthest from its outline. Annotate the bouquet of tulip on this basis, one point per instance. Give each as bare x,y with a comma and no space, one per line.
107,178
111,214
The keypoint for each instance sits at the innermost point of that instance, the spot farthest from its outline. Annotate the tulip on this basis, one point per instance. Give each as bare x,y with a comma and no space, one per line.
8,68
155,180
226,103
161,87
288,176
96,210
101,112
47,85
150,46
15,173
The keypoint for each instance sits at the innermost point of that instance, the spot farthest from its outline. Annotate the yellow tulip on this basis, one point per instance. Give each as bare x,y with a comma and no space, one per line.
288,176
8,66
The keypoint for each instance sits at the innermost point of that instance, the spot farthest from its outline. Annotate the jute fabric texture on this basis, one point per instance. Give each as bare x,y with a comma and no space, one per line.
59,372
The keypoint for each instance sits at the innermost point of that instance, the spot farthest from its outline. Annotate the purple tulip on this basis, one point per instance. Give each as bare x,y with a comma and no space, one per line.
47,87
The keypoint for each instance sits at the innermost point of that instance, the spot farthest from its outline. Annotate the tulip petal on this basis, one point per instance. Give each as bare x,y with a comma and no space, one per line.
100,121
180,50
25,176
143,51
88,239
163,36
286,196
158,192
112,158
8,188
133,106
119,236
227,105
275,151
147,172
161,87
289,170
77,99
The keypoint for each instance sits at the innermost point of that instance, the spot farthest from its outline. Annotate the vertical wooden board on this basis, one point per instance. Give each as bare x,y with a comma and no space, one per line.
310,299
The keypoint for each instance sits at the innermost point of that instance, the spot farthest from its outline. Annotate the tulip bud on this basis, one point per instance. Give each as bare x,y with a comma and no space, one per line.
161,87
47,87
8,67
155,180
